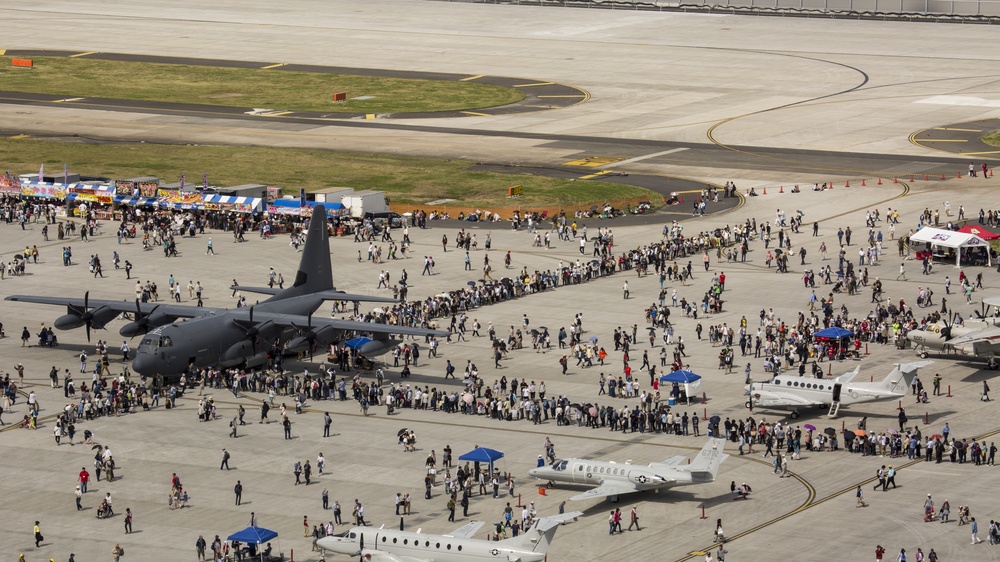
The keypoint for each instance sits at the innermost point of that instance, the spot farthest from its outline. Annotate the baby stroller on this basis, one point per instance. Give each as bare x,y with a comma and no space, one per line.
104,510
929,514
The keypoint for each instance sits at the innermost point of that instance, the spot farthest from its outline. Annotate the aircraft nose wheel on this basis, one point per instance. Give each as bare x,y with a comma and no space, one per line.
922,355
794,415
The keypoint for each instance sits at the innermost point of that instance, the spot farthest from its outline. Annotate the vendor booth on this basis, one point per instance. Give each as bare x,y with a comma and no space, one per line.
950,246
215,202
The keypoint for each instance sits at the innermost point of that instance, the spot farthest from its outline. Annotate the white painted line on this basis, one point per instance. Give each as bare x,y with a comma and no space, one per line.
644,157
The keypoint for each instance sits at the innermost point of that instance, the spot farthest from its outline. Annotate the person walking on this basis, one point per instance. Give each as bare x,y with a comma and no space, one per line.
117,552
975,532
225,460
39,538
128,520
634,520
902,272
238,490
79,498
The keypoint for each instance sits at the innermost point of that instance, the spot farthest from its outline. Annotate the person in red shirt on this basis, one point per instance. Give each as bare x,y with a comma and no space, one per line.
84,478
879,551
722,281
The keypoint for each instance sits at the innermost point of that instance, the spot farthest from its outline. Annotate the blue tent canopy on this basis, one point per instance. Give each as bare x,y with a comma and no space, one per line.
682,377
357,343
834,333
482,454
253,535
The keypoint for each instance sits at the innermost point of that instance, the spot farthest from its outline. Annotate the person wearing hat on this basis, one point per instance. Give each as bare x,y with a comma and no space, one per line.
79,498
902,555
890,478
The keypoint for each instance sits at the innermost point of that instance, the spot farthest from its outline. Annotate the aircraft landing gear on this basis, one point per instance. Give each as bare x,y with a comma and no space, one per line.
922,355
794,415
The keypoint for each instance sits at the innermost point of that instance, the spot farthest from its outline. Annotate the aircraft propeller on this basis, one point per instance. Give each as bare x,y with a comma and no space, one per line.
142,320
86,315
252,331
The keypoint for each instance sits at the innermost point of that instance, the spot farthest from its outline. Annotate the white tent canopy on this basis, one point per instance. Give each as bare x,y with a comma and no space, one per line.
937,238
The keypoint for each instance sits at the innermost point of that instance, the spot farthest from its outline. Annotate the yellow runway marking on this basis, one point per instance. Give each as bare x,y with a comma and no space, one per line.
943,140
956,129
275,114
82,54
477,114
3,52
979,153
569,96
467,78
533,84
595,175
19,137
273,66
593,161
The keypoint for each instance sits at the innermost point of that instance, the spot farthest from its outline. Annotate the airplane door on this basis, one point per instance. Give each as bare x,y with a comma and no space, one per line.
579,472
836,392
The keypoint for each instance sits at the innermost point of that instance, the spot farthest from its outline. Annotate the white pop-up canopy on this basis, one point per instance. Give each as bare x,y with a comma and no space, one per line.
957,241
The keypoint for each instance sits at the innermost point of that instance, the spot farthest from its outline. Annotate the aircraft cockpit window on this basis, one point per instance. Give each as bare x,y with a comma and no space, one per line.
166,342
153,343
561,465
354,535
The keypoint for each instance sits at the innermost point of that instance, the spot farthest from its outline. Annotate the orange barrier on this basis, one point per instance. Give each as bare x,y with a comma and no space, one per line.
541,491
23,63
340,96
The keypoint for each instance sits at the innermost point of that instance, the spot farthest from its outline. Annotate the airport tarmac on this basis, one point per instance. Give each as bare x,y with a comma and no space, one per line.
794,517
762,101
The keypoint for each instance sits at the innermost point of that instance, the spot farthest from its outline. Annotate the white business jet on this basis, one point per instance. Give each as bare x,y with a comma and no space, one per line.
614,479
388,545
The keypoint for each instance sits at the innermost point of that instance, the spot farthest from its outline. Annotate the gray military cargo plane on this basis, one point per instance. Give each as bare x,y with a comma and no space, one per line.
223,337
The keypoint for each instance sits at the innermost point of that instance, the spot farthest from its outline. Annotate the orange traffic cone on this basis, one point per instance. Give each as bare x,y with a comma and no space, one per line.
895,179
960,175
847,183
879,181
912,179
991,173
781,189
942,175
541,491
748,192
765,191
927,177
862,182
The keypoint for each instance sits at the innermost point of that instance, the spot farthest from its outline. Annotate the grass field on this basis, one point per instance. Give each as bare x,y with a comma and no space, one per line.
405,180
992,139
242,87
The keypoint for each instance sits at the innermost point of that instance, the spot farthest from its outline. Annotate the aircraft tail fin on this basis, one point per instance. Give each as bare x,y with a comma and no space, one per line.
315,272
901,376
539,537
706,464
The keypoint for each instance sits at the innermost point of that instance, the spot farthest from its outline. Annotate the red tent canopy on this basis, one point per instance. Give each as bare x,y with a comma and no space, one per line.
979,231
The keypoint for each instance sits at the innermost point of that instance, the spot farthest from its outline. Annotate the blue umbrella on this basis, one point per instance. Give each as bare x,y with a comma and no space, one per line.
682,376
357,343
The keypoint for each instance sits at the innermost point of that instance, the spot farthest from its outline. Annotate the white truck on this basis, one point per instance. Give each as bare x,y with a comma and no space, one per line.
361,202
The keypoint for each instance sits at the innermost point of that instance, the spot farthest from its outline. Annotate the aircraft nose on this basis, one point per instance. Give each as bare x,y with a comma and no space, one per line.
143,364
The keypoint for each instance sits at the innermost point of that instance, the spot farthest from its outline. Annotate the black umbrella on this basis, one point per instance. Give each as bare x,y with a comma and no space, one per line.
651,330
534,332
542,328
401,432
595,261
830,431
714,419
575,405
593,208
471,283
778,251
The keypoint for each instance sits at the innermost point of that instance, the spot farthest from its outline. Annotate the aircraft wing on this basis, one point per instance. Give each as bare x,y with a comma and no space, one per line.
172,310
606,489
784,399
347,325
468,530
379,556
672,461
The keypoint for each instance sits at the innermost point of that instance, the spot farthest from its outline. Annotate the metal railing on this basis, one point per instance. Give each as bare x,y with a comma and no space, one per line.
953,11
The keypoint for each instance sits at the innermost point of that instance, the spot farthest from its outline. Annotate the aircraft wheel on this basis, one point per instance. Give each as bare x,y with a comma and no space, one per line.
922,355
794,415
748,405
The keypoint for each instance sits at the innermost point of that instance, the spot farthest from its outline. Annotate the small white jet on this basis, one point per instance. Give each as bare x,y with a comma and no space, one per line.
388,545
614,479
976,338
795,393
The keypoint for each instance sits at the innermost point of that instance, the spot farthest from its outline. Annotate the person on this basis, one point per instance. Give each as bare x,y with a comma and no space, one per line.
901,557
975,532
79,498
634,517
39,538
720,536
117,551
327,422
238,490
128,520
986,392
225,460
199,546
861,497
879,553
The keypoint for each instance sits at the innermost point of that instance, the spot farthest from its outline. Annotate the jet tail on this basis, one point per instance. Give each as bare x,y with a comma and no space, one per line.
315,273
705,465
539,537
901,377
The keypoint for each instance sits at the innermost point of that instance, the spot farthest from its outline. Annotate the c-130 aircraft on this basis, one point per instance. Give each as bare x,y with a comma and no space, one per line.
208,337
